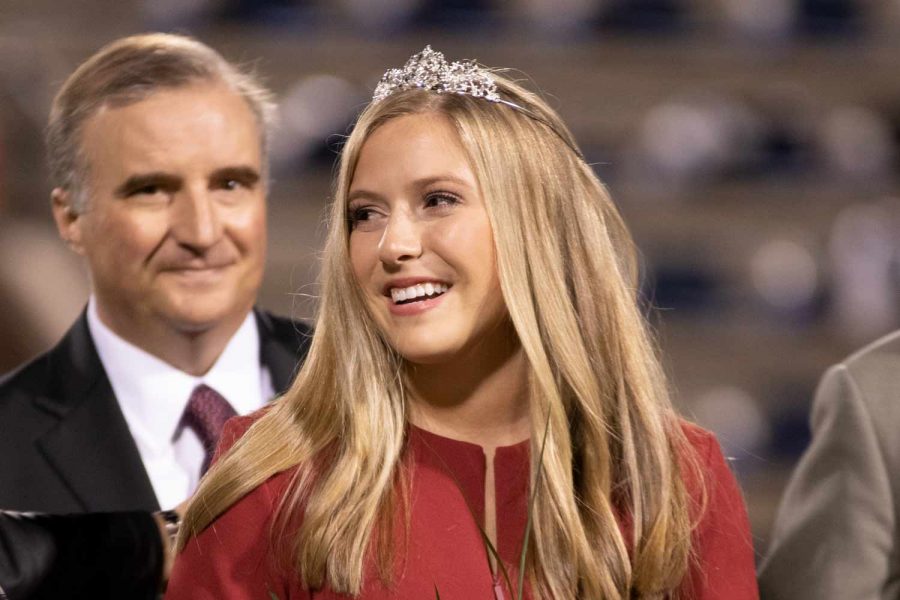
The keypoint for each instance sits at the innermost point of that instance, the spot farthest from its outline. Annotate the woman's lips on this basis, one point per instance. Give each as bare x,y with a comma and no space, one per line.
420,291
415,307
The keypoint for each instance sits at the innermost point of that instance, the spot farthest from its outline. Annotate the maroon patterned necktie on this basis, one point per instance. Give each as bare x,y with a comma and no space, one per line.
205,414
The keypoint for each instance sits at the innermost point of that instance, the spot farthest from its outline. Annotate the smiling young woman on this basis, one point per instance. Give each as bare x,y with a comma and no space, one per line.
482,393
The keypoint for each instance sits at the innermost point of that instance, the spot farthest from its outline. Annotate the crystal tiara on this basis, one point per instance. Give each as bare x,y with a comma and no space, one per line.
429,70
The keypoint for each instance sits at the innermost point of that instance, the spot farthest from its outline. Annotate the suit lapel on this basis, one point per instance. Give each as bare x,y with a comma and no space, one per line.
90,447
282,346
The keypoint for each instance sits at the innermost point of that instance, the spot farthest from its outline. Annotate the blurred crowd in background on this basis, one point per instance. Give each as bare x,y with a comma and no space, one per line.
752,145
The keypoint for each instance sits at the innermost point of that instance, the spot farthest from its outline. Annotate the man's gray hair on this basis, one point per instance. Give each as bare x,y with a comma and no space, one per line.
128,71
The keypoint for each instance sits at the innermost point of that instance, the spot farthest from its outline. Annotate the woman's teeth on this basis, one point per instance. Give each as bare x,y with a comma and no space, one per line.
418,292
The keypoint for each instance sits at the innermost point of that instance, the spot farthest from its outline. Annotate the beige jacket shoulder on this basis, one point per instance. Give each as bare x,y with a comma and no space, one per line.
835,536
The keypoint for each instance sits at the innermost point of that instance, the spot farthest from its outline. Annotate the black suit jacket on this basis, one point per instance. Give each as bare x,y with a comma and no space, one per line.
65,445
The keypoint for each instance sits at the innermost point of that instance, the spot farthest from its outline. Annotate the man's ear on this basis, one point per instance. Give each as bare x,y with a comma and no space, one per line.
68,220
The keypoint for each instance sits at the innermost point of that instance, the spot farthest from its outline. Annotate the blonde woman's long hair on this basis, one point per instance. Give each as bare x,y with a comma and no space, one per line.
612,518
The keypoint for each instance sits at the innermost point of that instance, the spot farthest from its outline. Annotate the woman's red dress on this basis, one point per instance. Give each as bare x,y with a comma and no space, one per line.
444,551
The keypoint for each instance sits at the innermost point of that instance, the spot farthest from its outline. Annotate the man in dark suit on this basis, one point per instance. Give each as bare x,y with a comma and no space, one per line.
157,148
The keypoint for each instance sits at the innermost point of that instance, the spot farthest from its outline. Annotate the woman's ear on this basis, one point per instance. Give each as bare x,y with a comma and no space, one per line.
68,220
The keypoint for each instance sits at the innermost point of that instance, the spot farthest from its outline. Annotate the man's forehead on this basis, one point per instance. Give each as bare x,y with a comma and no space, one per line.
177,101
204,122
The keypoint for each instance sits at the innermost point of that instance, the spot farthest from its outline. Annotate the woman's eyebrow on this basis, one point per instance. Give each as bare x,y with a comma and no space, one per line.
445,178
363,194
422,182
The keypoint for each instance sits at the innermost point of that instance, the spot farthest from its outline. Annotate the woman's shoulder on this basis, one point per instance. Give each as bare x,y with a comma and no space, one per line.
706,471
235,555
269,492
266,495
711,483
702,441
235,428
724,566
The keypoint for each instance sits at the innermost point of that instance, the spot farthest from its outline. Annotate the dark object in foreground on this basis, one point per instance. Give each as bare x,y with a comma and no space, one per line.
98,555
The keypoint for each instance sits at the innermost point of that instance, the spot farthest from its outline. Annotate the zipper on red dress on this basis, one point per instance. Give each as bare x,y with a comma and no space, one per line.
498,587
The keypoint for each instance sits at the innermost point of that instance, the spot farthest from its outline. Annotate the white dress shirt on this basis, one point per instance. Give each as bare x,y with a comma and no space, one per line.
153,396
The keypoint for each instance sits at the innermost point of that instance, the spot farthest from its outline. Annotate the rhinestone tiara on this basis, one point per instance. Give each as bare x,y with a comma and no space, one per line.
429,70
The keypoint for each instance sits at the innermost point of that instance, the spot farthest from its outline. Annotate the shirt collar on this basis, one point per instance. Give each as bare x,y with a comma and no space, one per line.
153,394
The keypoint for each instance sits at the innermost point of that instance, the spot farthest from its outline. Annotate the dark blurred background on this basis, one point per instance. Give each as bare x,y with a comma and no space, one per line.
753,146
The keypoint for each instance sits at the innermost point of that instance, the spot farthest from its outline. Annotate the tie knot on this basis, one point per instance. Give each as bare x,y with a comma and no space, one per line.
206,414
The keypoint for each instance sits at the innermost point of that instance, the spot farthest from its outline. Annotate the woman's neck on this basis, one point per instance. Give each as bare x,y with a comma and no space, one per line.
479,397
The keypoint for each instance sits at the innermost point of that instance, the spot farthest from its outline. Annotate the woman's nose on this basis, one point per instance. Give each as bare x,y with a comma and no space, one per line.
401,240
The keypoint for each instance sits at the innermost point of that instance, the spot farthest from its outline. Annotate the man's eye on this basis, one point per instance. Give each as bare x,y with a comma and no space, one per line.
231,184
145,190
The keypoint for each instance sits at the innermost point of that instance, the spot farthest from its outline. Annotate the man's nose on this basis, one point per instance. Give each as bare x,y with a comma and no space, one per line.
401,240
196,221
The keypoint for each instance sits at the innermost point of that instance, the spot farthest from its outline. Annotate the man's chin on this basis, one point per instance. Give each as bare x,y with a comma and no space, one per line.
197,320
198,278
197,310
